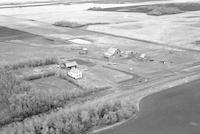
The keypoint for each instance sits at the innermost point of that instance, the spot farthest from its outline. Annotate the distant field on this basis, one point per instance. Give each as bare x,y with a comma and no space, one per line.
72,1
171,8
23,1
123,1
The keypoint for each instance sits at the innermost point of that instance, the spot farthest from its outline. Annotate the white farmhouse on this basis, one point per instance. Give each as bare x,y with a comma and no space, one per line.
75,73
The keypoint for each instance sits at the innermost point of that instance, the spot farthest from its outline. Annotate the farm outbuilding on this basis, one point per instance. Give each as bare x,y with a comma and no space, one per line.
67,64
83,51
112,52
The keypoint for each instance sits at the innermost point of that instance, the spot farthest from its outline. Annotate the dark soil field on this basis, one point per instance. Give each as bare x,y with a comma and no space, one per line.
171,8
8,32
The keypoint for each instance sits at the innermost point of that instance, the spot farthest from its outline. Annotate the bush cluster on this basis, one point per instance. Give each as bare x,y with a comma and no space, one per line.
157,11
40,75
78,120
68,24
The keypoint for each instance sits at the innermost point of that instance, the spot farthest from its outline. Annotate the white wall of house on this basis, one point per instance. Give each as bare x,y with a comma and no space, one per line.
75,73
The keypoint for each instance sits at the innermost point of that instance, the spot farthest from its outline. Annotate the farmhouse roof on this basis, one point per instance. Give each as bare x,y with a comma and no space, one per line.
71,64
111,51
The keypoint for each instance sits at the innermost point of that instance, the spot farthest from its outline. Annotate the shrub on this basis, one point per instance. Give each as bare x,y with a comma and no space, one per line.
39,75
10,85
96,8
68,24
164,11
33,63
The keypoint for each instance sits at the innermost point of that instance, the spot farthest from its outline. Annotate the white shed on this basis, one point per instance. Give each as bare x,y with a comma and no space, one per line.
112,52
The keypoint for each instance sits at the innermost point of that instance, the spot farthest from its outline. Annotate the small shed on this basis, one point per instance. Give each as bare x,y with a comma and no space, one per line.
75,73
143,56
83,51
111,52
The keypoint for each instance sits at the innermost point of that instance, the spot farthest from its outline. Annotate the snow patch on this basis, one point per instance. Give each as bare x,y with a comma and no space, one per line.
80,41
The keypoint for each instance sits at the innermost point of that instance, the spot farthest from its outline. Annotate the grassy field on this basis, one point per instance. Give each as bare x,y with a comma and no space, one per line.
111,75
54,85
29,52
83,62
90,81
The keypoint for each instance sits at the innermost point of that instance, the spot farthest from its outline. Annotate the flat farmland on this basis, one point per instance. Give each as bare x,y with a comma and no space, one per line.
149,52
23,52
27,46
